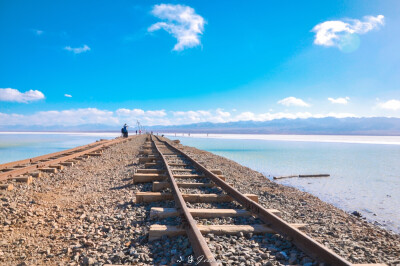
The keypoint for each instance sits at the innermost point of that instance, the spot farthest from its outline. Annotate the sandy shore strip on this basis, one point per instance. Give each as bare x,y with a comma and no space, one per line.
383,140
86,215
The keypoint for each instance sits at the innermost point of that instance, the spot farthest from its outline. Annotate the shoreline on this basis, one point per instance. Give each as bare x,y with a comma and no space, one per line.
355,139
87,213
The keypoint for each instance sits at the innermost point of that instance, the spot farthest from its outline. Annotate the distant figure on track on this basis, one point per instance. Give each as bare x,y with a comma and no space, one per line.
124,131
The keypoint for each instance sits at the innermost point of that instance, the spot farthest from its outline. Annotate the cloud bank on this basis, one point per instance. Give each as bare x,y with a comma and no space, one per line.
337,33
83,116
182,22
14,95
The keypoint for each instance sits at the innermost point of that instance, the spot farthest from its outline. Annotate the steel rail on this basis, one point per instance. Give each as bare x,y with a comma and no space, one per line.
305,243
30,168
46,156
199,244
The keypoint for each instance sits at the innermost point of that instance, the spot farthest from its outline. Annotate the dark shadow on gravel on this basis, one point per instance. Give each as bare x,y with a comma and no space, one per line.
132,164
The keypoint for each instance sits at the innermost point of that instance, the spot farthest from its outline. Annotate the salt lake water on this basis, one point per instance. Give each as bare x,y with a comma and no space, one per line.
22,145
365,170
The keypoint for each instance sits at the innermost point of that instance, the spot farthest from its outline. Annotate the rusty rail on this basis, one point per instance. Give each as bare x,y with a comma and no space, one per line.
30,168
197,240
305,243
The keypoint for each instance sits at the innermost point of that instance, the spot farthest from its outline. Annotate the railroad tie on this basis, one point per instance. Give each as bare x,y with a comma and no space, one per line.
152,164
7,187
178,164
216,171
157,212
36,174
158,186
147,178
147,159
24,179
150,171
183,170
48,170
67,163
193,198
57,166
189,176
146,152
157,231
94,154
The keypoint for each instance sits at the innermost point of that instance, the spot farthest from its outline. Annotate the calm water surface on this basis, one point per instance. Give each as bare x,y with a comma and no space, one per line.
18,146
364,177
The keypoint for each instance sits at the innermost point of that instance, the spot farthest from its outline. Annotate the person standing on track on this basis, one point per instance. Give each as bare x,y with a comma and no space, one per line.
124,131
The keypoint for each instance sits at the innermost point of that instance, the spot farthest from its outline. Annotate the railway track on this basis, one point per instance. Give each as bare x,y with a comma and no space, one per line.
23,169
199,193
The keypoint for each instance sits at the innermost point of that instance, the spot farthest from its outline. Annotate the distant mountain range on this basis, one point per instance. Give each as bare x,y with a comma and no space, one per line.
323,126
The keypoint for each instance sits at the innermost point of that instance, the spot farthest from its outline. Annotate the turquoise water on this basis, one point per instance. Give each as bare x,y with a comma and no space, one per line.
18,146
364,177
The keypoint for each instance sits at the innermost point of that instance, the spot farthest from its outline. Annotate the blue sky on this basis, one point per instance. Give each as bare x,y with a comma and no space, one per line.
77,62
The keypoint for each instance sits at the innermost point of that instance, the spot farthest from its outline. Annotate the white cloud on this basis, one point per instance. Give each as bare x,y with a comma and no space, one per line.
151,117
188,117
13,95
159,113
68,95
292,101
182,22
72,117
245,116
331,33
390,105
128,112
344,100
140,112
78,50
76,117
192,116
220,112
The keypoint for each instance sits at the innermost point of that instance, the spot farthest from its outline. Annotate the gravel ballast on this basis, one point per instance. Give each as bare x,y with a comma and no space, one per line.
87,215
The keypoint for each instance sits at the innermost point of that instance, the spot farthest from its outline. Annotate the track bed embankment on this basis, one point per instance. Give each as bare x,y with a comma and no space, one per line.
87,214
